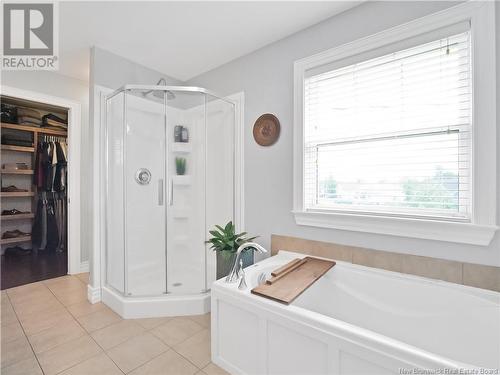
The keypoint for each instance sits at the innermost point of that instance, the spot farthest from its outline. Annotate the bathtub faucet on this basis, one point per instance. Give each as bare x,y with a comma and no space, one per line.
235,275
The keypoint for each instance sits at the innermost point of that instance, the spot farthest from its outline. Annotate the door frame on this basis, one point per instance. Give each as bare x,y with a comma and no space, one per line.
75,264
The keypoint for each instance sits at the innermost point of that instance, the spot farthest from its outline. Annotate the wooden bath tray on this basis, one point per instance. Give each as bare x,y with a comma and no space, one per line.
291,280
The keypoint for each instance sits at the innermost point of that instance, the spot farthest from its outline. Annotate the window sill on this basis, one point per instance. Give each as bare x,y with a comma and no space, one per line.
472,234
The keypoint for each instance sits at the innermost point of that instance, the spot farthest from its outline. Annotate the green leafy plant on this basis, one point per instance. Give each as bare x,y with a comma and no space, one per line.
180,166
226,240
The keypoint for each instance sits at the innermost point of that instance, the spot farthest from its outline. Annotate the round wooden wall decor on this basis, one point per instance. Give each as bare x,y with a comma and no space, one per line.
266,129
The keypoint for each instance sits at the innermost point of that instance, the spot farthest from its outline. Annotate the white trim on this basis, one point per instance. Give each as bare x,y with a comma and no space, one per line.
481,15
93,294
404,227
84,266
74,165
239,174
97,257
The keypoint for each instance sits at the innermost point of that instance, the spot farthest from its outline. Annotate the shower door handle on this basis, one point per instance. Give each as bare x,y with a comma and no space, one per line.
160,192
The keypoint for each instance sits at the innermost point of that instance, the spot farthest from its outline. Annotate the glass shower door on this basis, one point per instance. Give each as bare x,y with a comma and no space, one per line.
115,222
220,170
186,263
170,178
144,182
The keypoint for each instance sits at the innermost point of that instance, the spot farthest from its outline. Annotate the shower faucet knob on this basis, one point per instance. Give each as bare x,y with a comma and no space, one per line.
143,176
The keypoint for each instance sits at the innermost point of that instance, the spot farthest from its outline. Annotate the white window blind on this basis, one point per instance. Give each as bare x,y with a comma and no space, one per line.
392,135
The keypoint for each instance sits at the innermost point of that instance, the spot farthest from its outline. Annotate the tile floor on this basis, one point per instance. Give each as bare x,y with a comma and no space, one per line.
49,327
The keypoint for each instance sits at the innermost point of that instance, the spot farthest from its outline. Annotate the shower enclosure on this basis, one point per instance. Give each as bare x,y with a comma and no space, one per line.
157,213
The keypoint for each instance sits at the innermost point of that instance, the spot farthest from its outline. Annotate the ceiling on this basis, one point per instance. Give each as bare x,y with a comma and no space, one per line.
180,39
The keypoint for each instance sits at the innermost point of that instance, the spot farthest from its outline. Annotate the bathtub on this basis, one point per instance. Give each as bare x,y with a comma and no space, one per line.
356,320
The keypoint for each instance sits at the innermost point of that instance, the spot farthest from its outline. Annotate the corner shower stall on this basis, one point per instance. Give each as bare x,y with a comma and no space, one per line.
157,213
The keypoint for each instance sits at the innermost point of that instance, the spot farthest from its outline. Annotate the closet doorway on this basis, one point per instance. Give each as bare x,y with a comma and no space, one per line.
40,180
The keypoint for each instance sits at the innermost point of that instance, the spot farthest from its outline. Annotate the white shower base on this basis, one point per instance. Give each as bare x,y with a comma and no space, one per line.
152,307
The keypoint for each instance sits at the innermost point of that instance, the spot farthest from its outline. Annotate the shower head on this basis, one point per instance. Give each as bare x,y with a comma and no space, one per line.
160,93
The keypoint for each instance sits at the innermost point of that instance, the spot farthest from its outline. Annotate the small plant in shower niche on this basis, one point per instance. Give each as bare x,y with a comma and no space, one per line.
180,166
225,241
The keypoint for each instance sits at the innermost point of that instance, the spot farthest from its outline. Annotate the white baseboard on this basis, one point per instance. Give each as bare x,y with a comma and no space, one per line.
84,266
93,294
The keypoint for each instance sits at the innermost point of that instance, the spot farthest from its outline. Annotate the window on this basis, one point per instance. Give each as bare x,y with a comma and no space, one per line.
392,134
395,133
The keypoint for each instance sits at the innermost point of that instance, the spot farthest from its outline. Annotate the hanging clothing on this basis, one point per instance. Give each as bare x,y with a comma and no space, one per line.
48,167
40,160
61,217
51,166
50,231
39,231
60,171
50,226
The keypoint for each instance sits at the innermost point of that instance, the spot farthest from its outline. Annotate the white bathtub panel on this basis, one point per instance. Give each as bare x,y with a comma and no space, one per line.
354,365
290,352
294,340
358,356
238,338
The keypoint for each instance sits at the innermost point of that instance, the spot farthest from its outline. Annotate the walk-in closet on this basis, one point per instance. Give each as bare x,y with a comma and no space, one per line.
34,191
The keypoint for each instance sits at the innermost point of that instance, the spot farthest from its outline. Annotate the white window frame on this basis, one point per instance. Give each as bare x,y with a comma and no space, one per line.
482,227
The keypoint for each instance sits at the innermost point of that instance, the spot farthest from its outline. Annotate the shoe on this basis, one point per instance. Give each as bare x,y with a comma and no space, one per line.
13,212
15,234
15,166
17,251
13,189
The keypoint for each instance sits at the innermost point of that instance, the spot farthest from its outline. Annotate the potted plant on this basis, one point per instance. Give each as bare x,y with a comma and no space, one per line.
180,166
225,241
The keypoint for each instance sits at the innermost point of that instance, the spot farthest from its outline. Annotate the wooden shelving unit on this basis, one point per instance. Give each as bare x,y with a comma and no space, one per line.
8,241
17,171
37,133
17,148
34,129
17,217
17,194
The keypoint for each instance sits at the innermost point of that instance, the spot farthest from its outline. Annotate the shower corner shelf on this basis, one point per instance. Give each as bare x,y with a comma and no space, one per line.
183,180
181,147
181,213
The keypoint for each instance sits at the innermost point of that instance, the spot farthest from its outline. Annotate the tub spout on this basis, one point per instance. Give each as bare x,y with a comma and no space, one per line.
235,273
243,282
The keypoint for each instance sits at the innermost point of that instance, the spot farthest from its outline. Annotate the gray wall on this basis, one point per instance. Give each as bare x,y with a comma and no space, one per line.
55,84
113,71
266,77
